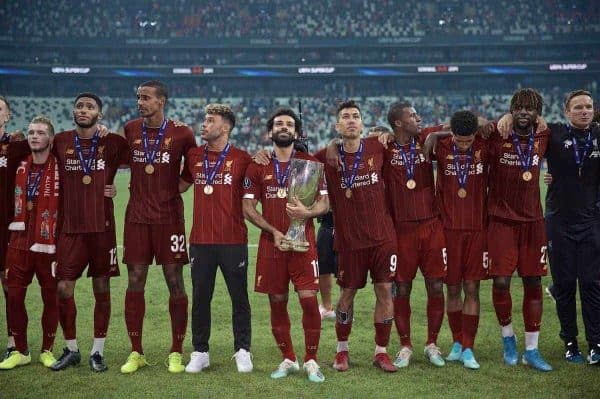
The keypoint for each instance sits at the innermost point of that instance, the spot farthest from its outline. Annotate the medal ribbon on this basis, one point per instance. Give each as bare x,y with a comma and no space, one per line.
526,158
211,173
580,158
409,162
86,164
462,173
349,180
5,138
149,155
281,180
32,188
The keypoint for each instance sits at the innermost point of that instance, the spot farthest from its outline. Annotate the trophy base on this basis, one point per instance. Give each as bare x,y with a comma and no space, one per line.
295,246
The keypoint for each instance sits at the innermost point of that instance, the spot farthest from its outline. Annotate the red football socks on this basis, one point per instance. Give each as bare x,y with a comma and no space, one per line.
280,326
178,309
469,330
503,305
135,309
18,320
49,317
311,322
101,314
342,331
402,319
67,312
455,320
532,307
435,317
382,334
8,333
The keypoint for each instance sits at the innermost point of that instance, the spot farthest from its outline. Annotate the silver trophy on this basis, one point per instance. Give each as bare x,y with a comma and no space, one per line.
303,183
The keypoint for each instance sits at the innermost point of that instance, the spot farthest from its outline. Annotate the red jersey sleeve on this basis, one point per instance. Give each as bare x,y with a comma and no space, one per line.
186,173
321,155
123,151
252,182
189,144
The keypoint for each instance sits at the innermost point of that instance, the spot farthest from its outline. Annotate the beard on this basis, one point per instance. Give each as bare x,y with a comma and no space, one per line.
283,142
85,125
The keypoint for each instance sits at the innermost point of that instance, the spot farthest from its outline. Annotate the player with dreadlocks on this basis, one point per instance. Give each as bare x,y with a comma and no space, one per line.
516,232
573,222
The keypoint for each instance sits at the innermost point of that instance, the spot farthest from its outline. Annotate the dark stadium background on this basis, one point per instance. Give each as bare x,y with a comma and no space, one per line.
256,55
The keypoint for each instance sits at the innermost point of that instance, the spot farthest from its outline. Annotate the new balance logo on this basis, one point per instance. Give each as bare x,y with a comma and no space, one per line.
242,264
374,178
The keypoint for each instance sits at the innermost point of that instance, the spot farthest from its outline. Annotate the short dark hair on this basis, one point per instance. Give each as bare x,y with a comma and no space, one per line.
527,98
395,111
576,93
161,88
347,104
288,112
223,110
596,117
88,94
5,101
46,121
463,123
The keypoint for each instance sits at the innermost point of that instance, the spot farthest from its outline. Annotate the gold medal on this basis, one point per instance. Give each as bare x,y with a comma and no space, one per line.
462,193
86,179
29,205
149,169
411,184
208,189
348,193
281,192
527,175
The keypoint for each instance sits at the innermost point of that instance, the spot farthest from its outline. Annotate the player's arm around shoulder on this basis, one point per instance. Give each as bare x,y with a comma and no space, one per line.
122,152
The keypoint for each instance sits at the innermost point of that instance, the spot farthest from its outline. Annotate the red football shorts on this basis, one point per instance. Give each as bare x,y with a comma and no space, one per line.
421,245
165,243
21,265
76,251
518,246
354,266
467,256
273,275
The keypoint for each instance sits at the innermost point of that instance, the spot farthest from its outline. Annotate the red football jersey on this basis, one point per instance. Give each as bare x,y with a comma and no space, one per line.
84,208
467,213
154,198
218,217
510,196
408,205
363,220
261,184
11,154
24,239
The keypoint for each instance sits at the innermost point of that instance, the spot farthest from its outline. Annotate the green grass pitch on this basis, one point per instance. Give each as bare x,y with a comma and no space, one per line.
222,380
